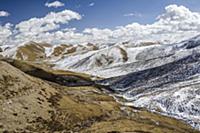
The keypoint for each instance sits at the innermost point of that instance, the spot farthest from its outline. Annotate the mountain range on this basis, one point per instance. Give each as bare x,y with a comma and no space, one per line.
162,78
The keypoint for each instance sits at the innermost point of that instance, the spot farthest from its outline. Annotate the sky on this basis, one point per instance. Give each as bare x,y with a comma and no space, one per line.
102,14
78,21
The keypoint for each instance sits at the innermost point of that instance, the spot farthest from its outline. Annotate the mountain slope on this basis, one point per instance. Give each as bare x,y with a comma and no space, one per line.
121,59
113,60
171,86
32,104
90,58
93,60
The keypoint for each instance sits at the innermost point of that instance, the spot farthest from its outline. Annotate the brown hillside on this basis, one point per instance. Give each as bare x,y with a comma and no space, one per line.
32,104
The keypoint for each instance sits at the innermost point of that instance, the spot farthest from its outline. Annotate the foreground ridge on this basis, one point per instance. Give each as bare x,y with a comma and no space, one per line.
29,103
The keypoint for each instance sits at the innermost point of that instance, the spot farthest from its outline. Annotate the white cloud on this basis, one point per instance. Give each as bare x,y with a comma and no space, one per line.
98,35
4,14
134,14
5,33
39,28
91,4
175,24
50,22
55,4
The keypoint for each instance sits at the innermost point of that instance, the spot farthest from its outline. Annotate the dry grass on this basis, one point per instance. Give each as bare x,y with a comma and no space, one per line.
31,52
49,107
37,69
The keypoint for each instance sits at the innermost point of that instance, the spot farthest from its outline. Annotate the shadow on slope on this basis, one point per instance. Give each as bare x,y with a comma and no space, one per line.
174,72
65,78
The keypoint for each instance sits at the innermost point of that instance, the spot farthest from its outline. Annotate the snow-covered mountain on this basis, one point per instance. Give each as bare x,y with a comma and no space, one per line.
106,61
167,81
32,51
96,59
103,60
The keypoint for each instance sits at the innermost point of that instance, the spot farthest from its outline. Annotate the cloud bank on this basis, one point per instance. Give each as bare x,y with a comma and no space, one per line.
176,23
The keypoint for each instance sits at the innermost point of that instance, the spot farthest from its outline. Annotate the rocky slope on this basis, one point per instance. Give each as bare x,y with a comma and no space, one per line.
31,102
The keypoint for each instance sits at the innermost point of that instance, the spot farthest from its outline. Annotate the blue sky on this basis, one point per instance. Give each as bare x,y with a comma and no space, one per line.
104,13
